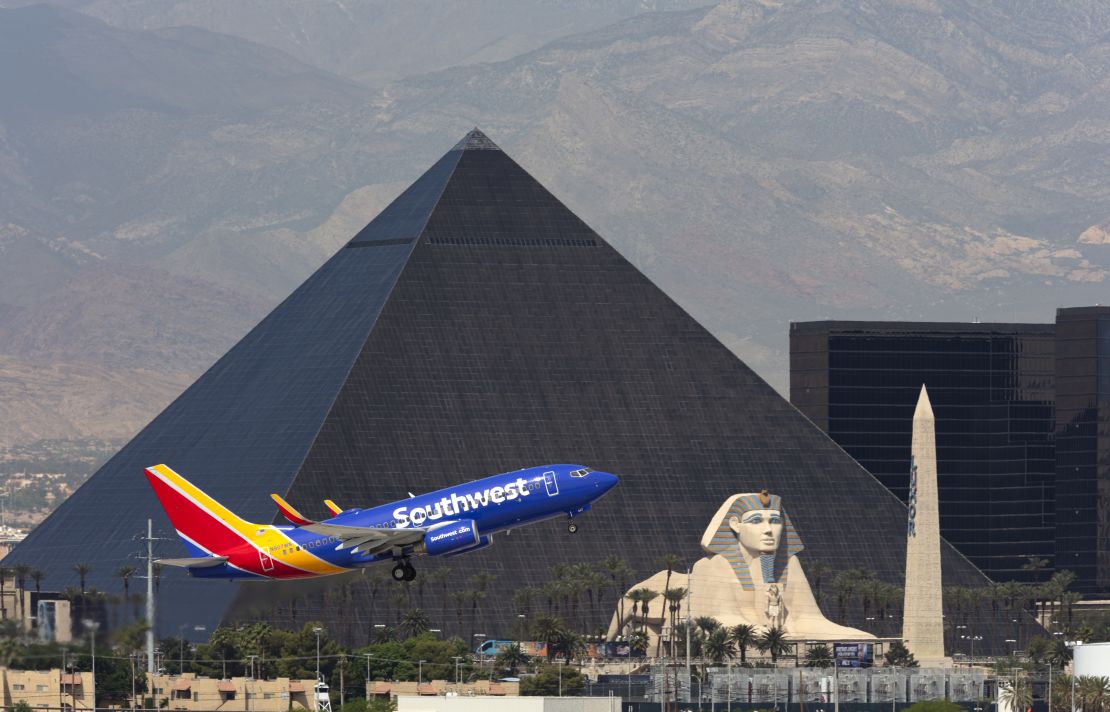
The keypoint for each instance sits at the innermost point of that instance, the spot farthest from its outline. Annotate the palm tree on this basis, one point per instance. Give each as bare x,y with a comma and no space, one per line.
845,585
510,658
1016,693
21,571
124,573
1092,692
674,597
638,642
37,576
743,636
5,572
619,571
549,629
773,642
670,561
718,645
819,657
414,621
646,596
707,624
82,571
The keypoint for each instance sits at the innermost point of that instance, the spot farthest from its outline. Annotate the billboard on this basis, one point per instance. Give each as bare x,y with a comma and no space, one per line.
854,655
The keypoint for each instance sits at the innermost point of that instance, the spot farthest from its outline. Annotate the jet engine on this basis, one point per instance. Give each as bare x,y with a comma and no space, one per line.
452,538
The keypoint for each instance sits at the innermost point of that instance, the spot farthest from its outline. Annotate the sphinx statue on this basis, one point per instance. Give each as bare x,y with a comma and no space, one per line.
751,575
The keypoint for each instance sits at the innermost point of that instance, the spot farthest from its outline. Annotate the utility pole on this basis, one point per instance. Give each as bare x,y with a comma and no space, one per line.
689,596
150,632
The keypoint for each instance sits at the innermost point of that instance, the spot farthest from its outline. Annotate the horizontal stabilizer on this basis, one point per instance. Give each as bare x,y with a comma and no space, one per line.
200,562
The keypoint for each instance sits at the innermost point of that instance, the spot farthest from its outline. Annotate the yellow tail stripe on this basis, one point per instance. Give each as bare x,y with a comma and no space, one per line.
265,537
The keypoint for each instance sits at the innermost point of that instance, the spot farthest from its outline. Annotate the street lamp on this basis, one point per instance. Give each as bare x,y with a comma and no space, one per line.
481,651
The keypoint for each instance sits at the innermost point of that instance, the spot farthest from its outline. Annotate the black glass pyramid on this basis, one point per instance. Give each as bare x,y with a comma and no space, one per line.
476,326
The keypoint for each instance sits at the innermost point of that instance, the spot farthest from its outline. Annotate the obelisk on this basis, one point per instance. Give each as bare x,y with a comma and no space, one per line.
923,622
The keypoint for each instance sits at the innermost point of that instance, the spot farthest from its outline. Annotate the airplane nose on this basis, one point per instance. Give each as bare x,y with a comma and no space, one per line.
606,480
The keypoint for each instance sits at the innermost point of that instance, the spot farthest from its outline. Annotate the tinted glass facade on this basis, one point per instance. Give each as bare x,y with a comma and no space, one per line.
992,391
1083,445
475,327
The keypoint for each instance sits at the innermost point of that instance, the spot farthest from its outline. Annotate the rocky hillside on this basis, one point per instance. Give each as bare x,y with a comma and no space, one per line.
764,162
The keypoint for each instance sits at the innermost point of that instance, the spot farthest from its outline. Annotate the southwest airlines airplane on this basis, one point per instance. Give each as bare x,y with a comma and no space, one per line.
448,522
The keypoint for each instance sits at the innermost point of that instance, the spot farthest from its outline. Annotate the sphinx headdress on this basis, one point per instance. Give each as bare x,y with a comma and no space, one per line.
720,539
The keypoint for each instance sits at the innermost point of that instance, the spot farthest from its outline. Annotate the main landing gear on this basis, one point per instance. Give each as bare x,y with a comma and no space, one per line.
404,571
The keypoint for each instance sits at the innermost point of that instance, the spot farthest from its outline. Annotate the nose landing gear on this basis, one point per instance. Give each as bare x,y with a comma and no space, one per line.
572,528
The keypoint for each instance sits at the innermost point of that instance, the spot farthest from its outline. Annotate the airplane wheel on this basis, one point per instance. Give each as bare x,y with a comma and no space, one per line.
400,572
572,528
410,573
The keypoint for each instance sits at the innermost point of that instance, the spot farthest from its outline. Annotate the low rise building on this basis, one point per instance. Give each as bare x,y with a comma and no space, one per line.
441,688
52,689
189,692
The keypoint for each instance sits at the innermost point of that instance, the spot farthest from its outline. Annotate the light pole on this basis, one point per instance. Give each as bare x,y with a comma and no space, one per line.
481,651
457,658
419,674
317,632
368,656
559,663
92,626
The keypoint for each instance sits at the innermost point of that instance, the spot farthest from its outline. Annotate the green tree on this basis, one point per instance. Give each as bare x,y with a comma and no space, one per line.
644,596
22,706
1092,693
414,622
550,630
638,642
718,645
82,571
899,655
773,642
37,576
546,682
819,656
744,637
21,572
670,561
674,598
1016,692
510,658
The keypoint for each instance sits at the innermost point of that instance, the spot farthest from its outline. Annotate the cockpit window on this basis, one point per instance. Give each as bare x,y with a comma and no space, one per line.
580,473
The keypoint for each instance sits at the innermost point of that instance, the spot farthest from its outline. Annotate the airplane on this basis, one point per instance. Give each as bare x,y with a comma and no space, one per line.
447,522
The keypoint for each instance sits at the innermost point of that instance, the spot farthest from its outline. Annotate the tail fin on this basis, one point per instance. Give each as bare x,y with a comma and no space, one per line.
207,527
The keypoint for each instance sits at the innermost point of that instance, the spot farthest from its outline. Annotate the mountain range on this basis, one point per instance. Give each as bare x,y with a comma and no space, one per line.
169,170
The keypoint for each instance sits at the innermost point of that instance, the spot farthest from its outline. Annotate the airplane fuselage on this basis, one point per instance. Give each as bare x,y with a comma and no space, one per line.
458,520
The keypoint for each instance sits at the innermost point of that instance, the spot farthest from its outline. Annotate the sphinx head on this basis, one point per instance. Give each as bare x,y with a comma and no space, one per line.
759,531
753,526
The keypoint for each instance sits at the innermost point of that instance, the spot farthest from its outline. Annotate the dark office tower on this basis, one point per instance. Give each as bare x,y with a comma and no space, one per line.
474,327
991,386
1083,445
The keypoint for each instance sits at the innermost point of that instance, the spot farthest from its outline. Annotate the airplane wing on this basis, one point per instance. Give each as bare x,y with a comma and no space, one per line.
369,539
199,562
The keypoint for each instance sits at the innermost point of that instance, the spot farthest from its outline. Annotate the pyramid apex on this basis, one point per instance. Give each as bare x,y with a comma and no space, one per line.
475,140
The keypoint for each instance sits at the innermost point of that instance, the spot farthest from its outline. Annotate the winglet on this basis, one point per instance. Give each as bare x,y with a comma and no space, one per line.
289,513
335,508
